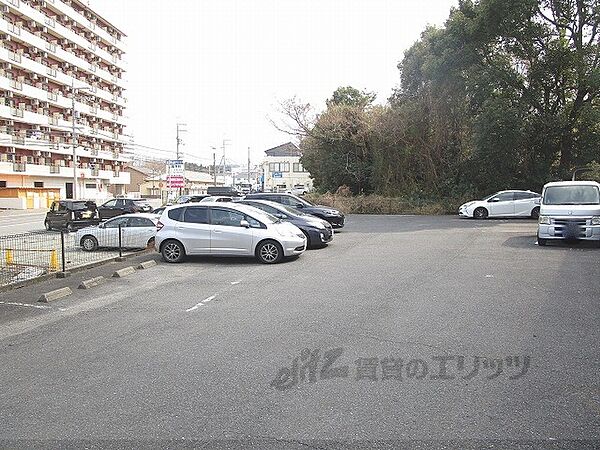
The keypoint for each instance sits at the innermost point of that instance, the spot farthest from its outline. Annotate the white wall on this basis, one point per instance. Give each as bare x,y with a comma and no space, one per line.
13,203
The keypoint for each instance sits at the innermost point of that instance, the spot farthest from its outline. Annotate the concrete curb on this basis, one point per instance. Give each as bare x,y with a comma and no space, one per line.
55,295
86,284
147,264
123,272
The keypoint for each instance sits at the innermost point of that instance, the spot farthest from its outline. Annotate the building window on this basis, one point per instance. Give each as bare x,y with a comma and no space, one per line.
274,167
2,184
38,184
298,167
285,167
90,185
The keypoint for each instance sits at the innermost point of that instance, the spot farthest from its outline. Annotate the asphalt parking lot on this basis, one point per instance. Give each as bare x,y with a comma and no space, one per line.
406,332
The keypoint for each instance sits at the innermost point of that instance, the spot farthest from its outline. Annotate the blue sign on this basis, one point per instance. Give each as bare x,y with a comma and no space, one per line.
262,179
277,175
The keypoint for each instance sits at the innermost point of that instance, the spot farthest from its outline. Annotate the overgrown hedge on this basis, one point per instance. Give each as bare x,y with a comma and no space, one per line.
377,204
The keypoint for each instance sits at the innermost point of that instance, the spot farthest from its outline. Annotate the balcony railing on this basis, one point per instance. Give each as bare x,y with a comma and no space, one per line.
50,22
50,71
53,120
52,96
54,169
18,140
19,167
51,47
95,172
14,29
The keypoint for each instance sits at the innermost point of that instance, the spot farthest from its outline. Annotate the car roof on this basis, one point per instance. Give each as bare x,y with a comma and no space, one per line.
246,209
143,215
573,183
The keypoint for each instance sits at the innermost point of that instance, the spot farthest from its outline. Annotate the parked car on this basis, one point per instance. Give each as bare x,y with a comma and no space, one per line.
512,203
223,190
158,211
118,206
137,231
217,198
191,198
318,232
298,189
226,229
570,210
71,214
331,215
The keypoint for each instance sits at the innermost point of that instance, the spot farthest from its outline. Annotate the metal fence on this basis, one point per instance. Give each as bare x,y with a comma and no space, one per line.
31,255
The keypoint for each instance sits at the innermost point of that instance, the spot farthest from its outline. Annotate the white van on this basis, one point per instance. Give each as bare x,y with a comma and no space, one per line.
570,210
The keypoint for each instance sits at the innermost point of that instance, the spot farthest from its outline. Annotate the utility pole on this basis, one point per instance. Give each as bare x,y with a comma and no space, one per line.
179,141
74,91
214,168
224,166
248,164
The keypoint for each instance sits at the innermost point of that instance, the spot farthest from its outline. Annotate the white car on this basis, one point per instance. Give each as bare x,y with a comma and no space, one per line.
216,198
137,231
226,229
570,211
504,204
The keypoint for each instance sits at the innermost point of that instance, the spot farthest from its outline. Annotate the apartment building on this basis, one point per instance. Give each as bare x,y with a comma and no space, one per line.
61,64
283,171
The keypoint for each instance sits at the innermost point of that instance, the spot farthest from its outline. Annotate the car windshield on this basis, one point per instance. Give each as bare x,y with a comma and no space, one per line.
293,211
258,214
572,195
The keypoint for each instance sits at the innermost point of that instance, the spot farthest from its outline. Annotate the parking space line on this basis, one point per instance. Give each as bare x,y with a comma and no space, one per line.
202,303
235,282
26,305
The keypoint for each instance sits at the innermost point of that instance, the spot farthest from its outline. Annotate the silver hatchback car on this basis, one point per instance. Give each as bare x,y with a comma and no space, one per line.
226,229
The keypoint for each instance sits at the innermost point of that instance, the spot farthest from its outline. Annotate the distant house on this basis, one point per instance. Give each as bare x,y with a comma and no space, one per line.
283,171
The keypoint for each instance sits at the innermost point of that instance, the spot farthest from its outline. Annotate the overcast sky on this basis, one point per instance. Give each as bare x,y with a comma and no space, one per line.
222,66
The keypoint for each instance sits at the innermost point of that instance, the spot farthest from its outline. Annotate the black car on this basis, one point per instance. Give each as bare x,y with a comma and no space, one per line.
191,198
333,216
318,232
118,206
71,214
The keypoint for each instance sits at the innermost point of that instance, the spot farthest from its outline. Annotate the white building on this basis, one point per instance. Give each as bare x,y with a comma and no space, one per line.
46,48
283,171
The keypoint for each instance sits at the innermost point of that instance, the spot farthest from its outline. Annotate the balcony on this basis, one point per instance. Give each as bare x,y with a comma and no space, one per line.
55,169
95,172
19,167
16,112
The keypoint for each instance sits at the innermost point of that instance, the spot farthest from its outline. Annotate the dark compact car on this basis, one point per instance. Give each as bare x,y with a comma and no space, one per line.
191,198
333,216
71,214
318,232
118,206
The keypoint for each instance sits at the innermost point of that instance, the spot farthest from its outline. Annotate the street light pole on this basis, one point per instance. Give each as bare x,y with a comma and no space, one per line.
74,134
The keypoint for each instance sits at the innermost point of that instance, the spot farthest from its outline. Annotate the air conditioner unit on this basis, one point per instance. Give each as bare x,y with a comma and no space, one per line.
10,123
11,150
37,153
10,94
64,41
4,9
47,154
4,37
32,23
35,76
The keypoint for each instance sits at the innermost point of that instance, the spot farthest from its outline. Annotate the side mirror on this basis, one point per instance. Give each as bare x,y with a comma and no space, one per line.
299,205
244,223
101,225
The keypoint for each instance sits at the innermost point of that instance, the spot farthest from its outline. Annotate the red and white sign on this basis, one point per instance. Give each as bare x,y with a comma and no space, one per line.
175,181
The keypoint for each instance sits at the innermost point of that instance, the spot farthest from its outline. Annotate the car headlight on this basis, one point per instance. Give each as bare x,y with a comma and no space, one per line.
596,220
544,220
332,212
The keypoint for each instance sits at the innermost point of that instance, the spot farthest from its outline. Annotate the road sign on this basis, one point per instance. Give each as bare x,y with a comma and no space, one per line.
277,175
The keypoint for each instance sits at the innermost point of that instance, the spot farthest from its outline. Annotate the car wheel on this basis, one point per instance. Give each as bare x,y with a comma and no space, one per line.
480,213
47,225
535,212
150,243
308,244
172,251
541,241
89,243
269,252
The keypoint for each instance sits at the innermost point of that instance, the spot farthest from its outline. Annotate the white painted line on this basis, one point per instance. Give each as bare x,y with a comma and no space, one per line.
235,282
27,305
202,303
